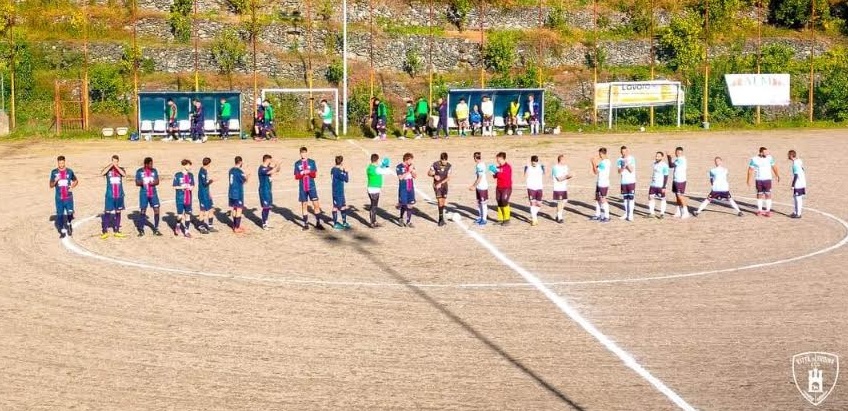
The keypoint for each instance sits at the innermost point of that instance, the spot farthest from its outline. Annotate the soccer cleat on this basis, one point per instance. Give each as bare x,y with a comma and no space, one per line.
319,227
685,216
739,214
265,227
505,223
187,234
375,225
203,230
652,215
176,232
212,229
442,223
305,227
795,216
118,234
534,223
63,233
141,233
760,213
157,233
410,225
104,236
768,213
402,223
660,216
338,226
604,220
480,223
595,218
346,225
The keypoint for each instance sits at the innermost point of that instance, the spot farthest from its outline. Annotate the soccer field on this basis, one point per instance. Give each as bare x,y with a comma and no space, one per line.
704,313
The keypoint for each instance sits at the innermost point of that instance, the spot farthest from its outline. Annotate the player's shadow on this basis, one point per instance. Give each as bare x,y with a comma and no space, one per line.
571,207
526,210
416,211
360,247
287,214
170,220
618,203
223,217
383,214
465,211
250,214
354,213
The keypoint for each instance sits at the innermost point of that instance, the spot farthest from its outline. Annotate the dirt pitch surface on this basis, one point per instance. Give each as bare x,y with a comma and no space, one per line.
425,317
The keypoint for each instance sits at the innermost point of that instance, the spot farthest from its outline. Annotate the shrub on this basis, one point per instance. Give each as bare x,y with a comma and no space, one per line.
412,64
795,14
228,51
335,72
500,51
180,21
680,44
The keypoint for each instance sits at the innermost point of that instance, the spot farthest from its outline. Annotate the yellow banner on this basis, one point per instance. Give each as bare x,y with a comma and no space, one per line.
636,94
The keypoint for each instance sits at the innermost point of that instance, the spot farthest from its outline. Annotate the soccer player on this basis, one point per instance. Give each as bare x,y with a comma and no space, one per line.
627,169
173,126
533,114
762,168
512,117
268,121
476,120
235,193
266,196
197,120
481,189
503,189
462,117
422,112
63,180
183,186
205,198
339,177
305,172
374,174
114,203
720,188
678,182
225,112
382,118
441,173
406,189
147,179
601,167
442,126
488,109
326,113
799,183
659,182
409,120
560,174
534,175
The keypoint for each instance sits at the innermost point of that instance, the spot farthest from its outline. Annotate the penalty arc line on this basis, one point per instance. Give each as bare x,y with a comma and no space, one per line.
573,314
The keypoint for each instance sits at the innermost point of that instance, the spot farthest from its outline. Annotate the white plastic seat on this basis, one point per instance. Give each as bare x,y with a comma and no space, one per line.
122,131
107,132
184,126
146,127
499,122
209,127
452,122
160,127
235,125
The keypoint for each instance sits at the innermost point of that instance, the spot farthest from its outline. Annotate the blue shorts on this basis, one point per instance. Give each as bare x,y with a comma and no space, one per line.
65,206
409,124
114,204
339,202
205,202
237,203
183,208
304,196
266,199
145,201
406,197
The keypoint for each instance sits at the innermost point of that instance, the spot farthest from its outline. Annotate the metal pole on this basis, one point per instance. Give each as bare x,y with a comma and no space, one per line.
253,34
309,73
344,66
595,62
812,58
539,63
371,48
482,18
705,108
430,56
759,47
653,54
85,93
194,34
136,110
12,73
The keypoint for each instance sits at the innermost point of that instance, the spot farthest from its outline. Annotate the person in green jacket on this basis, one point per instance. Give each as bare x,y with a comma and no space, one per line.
422,111
269,132
381,115
374,174
326,113
409,120
225,111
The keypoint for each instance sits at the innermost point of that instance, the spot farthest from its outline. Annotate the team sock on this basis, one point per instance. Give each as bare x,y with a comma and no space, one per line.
104,222
441,213
663,205
799,205
734,205
116,222
209,222
605,207
155,221
236,222
408,215
651,205
305,219
760,204
60,221
265,213
534,212
344,216
483,212
507,212
335,217
402,211
319,217
598,209
705,203
631,208
768,205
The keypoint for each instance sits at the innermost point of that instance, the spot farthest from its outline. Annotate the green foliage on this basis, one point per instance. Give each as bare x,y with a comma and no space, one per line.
556,19
831,98
500,51
412,63
238,6
108,88
596,56
721,13
228,51
335,72
458,13
325,9
681,44
359,108
180,20
795,14
556,112
130,57
25,83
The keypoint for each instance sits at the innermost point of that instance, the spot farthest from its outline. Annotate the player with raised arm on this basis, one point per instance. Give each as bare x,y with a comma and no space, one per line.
338,178
601,167
627,169
406,189
799,183
678,182
374,174
534,176
481,189
204,198
560,175
184,186
719,188
147,180
266,173
441,171
763,168
114,201
305,172
63,181
502,171
235,194
657,190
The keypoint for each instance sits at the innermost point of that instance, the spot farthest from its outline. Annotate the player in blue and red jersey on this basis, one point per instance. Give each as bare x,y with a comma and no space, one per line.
339,178
63,180
204,198
406,189
266,196
147,179
305,172
114,201
184,187
236,193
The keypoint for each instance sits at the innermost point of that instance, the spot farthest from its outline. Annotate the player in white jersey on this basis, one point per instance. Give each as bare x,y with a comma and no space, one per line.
678,182
601,167
626,165
481,188
659,181
763,169
560,174
719,188
534,174
799,183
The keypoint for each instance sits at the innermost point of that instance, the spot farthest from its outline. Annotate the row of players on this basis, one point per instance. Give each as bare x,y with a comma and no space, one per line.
761,171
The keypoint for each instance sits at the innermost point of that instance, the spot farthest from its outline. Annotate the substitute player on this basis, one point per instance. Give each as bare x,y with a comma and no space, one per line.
406,189
441,173
762,168
237,178
601,168
374,174
114,202
560,175
503,188
678,182
204,198
147,180
184,186
799,183
659,182
305,172
534,176
481,189
719,188
627,169
63,180
487,107
173,127
266,196
339,177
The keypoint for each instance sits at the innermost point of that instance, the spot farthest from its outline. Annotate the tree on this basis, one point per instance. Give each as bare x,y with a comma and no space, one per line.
681,44
795,14
180,21
228,51
412,63
499,52
335,72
